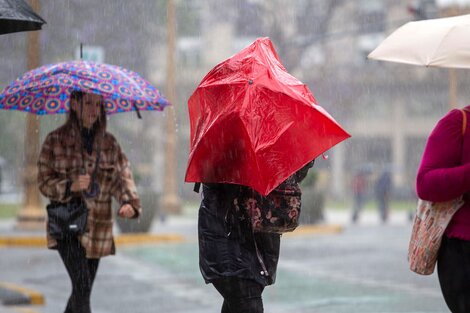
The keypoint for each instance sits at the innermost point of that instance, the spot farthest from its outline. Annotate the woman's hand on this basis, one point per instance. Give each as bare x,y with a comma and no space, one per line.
81,183
126,211
302,173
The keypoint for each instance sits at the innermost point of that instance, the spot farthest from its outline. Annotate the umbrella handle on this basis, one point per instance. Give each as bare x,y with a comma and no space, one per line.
137,110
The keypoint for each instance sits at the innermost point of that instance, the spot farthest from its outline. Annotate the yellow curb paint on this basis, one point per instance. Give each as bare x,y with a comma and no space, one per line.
124,239
128,239
23,310
143,238
304,230
35,297
23,241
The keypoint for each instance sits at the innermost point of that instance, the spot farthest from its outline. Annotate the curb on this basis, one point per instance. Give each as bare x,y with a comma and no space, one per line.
127,239
322,229
130,239
22,241
18,309
143,238
11,294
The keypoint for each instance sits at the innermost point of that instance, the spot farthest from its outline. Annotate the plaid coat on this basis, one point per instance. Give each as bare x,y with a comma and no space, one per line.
59,164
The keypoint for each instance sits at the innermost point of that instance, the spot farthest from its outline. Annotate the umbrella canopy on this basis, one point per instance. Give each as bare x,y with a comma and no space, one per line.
17,16
47,89
254,124
441,42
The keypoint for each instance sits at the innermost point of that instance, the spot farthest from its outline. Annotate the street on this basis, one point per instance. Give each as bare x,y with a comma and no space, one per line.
361,269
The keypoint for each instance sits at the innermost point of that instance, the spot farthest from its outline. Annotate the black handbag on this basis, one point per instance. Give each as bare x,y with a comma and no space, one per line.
70,218
67,219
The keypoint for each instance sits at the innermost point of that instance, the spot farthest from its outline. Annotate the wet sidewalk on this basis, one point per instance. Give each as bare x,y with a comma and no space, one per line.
155,276
21,251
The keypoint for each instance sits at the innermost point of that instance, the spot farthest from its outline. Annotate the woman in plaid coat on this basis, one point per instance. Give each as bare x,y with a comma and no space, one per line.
66,165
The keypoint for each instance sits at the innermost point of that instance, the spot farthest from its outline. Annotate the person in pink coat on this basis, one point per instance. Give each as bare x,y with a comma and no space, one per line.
444,174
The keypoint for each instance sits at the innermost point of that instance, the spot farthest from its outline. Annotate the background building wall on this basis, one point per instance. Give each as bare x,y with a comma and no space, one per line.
389,109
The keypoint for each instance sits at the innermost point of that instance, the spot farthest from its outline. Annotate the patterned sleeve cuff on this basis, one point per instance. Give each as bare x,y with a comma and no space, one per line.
135,203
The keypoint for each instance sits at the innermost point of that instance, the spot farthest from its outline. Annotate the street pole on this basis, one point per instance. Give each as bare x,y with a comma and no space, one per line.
170,202
453,83
31,215
452,9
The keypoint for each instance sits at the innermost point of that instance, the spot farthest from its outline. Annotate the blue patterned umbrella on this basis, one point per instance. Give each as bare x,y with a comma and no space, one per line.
47,89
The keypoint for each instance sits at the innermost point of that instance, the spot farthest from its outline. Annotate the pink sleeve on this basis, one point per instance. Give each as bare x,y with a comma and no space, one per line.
441,177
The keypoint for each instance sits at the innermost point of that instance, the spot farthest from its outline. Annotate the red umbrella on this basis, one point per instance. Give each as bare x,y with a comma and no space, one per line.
254,124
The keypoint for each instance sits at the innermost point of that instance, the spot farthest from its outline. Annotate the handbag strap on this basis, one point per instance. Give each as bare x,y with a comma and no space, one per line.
97,162
94,185
464,121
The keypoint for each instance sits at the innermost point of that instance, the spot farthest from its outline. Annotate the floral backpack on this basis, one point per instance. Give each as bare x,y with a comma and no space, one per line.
278,212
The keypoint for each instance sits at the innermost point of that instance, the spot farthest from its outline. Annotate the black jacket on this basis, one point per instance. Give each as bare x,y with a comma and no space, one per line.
227,243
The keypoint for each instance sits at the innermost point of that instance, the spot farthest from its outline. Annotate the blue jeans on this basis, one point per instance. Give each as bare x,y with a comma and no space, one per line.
240,295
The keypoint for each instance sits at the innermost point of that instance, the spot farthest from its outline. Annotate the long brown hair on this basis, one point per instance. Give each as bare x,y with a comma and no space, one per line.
99,126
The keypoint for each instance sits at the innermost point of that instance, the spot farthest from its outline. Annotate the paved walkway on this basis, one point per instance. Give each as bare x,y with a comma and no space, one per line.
172,284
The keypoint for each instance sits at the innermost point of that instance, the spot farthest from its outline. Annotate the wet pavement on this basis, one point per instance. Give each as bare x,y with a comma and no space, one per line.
360,269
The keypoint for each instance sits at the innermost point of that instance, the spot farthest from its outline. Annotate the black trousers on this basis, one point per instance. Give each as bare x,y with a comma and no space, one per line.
453,269
240,295
82,272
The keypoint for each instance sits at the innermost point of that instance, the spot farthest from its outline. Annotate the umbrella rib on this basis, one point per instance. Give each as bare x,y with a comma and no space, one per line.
253,150
440,45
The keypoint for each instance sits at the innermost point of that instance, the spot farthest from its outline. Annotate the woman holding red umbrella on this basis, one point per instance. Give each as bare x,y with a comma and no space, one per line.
237,261
253,125
81,162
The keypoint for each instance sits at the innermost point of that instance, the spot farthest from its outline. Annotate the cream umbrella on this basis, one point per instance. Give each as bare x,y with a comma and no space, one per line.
442,42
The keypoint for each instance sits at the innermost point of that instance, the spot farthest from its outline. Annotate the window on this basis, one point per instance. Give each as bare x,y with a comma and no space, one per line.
371,16
189,51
